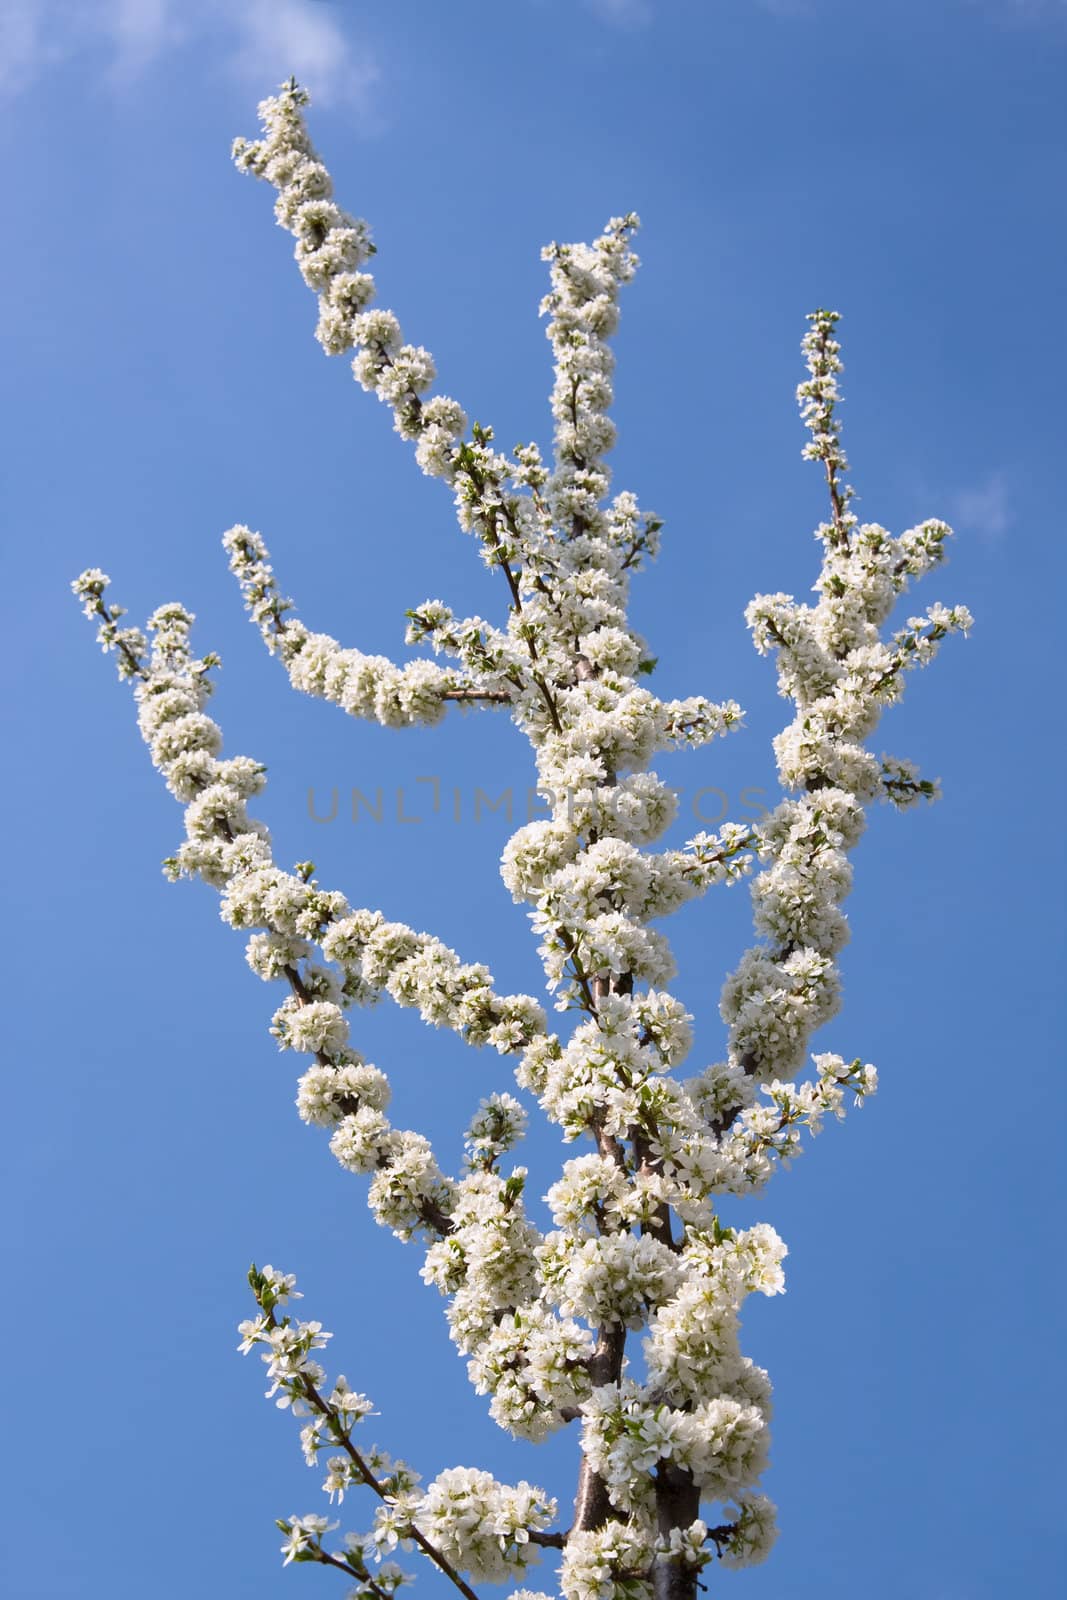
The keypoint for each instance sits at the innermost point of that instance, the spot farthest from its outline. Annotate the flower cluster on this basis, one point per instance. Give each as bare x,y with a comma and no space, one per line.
841,673
368,687
636,1246
291,919
484,1526
464,1521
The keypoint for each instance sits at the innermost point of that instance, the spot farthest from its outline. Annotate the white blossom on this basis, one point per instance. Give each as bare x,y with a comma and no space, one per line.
637,1244
481,1525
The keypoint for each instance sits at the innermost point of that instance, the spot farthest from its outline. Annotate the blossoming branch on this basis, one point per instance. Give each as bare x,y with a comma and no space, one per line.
670,1448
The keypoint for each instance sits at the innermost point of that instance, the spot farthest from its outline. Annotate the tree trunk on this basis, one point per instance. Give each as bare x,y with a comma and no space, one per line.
677,1505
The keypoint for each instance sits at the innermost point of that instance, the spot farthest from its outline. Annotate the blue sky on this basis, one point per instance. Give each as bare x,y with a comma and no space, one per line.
902,162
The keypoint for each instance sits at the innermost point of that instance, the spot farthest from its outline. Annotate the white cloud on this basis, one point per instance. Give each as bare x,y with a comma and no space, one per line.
259,41
984,508
623,13
140,31
1018,13
279,37
635,13
788,8
26,46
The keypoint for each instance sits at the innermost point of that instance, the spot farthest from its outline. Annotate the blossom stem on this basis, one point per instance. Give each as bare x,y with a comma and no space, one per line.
367,1477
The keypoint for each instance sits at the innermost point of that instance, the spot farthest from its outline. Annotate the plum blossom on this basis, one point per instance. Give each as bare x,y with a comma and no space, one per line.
671,1449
